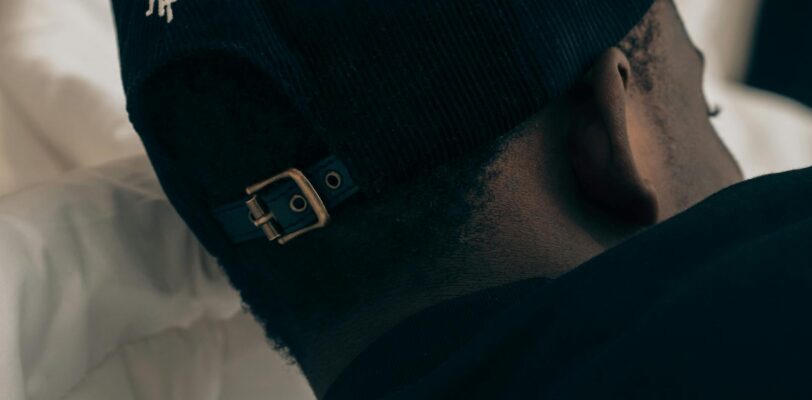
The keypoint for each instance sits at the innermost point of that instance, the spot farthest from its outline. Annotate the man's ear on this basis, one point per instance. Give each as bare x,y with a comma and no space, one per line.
600,146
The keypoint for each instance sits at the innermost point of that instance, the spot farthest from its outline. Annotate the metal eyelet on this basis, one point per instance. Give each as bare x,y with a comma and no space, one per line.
333,180
298,203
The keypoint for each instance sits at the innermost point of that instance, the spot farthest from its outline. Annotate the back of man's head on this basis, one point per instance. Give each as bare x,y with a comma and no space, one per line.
626,143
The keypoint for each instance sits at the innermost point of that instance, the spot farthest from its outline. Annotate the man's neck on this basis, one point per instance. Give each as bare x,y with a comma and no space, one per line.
528,235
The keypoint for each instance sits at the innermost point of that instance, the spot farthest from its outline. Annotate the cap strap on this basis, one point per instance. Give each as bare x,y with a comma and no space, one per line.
289,204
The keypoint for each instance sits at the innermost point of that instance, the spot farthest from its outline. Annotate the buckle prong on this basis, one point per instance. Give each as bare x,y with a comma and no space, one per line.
265,220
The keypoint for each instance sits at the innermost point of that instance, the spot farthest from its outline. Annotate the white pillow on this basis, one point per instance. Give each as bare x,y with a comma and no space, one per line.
766,133
105,294
724,32
59,81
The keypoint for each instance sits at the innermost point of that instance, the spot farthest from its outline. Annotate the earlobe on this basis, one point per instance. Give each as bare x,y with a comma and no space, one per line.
600,149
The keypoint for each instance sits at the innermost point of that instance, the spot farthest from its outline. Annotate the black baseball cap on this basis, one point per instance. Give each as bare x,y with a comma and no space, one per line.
389,89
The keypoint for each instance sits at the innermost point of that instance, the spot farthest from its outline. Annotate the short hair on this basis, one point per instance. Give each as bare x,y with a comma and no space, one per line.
638,48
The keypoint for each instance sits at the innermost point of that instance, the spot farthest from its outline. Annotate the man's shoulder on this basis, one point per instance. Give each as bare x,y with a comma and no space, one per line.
711,303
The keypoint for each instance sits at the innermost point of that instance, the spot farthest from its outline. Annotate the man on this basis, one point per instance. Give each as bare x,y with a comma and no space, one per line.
481,166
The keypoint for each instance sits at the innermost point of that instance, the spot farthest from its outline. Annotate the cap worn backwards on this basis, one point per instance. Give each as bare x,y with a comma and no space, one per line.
394,87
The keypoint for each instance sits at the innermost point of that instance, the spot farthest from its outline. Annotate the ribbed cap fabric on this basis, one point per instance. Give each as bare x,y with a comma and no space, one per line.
392,87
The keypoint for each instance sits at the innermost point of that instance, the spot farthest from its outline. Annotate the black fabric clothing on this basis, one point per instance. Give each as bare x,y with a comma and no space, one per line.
714,303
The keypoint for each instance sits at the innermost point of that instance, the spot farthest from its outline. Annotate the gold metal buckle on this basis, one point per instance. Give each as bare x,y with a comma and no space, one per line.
266,220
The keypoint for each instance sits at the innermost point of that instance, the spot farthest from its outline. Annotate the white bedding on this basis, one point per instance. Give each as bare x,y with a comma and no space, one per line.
81,280
92,309
104,293
60,89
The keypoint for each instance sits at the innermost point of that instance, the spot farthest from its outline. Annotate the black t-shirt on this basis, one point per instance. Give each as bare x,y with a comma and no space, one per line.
714,303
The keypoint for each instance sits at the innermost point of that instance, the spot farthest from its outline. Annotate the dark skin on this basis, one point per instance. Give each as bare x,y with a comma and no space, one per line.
623,152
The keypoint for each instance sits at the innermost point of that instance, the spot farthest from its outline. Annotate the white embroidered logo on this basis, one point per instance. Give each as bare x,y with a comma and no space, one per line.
164,9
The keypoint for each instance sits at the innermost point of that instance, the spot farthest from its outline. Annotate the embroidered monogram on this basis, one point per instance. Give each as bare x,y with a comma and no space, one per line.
164,9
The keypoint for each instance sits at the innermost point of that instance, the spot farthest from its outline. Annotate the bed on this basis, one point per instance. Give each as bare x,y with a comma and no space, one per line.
91,309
